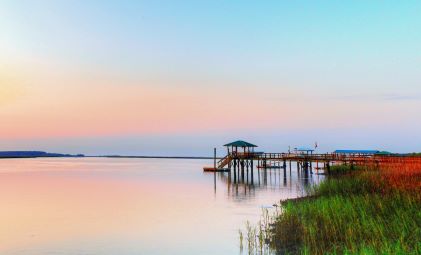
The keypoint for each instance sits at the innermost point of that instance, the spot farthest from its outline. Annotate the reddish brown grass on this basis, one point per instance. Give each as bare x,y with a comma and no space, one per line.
401,174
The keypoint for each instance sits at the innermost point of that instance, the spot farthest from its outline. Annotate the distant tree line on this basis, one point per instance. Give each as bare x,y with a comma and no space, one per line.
34,154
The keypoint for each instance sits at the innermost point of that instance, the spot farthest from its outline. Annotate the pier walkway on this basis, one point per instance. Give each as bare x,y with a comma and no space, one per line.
241,154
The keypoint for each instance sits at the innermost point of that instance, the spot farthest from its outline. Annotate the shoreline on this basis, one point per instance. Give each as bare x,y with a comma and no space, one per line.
157,157
152,157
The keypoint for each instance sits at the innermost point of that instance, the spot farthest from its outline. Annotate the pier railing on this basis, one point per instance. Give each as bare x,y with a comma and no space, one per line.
312,157
322,157
224,161
306,158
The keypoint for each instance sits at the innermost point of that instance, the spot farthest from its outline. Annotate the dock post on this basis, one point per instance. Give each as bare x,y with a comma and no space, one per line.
258,174
247,169
214,158
285,177
306,165
251,166
265,176
311,168
242,170
258,166
235,173
285,171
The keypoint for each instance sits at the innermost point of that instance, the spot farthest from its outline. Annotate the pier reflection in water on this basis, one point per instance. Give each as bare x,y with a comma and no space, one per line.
245,182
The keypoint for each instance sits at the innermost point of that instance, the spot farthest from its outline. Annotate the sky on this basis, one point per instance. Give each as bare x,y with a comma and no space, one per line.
182,77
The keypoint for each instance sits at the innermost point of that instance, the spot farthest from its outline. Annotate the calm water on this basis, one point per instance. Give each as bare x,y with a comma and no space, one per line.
130,206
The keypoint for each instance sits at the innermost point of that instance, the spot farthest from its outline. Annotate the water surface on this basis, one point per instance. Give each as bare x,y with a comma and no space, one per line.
131,206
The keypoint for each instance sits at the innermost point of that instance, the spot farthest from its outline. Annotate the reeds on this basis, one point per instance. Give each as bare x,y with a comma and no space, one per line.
375,210
259,236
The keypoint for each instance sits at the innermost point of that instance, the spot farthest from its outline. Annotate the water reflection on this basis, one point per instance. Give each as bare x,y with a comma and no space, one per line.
243,184
133,206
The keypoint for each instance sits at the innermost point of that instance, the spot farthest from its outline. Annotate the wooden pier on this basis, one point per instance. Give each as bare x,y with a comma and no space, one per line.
241,155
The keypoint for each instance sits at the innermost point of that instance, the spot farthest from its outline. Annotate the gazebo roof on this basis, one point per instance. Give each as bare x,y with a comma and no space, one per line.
240,143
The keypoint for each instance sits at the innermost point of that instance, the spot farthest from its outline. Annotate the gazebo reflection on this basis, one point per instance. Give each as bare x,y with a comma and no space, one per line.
243,187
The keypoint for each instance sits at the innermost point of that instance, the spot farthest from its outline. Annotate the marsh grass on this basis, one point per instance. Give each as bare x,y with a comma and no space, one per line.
345,169
340,224
259,235
369,211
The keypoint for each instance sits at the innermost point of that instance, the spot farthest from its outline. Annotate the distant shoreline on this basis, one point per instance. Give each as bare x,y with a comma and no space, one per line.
43,154
17,157
161,157
151,157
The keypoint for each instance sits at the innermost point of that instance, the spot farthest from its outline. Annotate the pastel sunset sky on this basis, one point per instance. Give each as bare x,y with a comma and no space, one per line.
181,77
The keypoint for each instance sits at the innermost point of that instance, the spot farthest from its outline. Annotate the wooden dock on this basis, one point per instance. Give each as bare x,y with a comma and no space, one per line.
241,155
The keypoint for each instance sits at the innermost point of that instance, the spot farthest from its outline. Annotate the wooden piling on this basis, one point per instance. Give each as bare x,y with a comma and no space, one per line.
214,158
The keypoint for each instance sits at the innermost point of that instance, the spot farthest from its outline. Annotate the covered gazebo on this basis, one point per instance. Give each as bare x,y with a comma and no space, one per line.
245,148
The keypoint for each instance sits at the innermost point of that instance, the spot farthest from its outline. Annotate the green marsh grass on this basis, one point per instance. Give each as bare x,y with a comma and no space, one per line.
353,213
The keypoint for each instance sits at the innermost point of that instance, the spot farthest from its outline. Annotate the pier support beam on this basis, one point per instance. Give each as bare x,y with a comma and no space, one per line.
235,173
252,170
242,170
311,168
